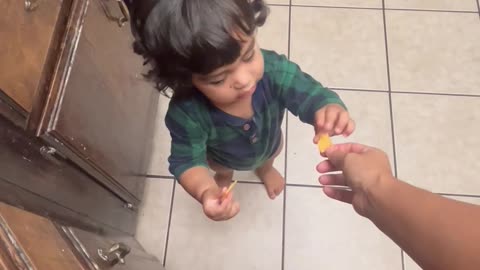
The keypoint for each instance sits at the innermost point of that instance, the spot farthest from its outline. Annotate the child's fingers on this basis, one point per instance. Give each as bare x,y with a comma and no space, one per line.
342,122
226,211
235,209
349,129
331,117
225,198
320,118
319,123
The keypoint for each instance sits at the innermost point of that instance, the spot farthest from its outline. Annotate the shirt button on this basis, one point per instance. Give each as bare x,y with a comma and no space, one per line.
246,127
254,140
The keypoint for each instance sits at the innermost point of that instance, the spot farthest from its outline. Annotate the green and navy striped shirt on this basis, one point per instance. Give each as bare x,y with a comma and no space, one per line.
201,132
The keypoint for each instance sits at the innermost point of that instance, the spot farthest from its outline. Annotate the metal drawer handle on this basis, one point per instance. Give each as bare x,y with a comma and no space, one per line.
115,254
120,20
31,5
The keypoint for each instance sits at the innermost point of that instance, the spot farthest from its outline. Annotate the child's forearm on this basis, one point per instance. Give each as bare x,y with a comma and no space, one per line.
196,181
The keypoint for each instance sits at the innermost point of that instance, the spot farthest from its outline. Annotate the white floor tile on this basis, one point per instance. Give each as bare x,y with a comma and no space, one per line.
251,240
434,52
342,48
154,215
274,34
321,233
437,142
458,5
278,2
340,3
161,142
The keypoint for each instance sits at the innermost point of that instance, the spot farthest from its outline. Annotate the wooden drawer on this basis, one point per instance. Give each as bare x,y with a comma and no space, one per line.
27,43
28,241
101,113
94,249
33,177
69,75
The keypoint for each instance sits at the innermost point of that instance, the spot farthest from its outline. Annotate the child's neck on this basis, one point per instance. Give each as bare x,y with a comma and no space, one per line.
242,109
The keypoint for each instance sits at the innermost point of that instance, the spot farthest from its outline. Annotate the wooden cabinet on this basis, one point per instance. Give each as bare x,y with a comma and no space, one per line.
102,116
28,37
28,241
76,115
76,123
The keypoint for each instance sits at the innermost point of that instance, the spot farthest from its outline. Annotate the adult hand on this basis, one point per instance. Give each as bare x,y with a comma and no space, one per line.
363,169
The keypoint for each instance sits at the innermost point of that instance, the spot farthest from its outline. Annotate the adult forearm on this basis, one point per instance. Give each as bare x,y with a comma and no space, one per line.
438,233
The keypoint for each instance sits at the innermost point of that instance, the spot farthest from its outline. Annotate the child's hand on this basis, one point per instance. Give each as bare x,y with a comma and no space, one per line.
333,120
215,208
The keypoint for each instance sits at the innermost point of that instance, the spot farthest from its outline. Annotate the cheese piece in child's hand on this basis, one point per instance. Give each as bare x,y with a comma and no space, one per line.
324,143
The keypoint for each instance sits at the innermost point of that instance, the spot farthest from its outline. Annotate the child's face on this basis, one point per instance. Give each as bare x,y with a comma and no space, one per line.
235,82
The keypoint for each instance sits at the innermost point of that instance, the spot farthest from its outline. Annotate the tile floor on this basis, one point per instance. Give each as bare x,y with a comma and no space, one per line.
409,74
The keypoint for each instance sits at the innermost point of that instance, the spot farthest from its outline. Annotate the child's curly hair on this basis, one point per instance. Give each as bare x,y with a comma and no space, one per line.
178,38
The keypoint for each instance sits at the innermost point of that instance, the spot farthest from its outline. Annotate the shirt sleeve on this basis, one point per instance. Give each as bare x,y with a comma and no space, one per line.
301,94
188,145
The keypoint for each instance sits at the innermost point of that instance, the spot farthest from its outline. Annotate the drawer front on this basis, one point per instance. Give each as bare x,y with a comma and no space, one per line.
29,241
28,33
33,176
105,112
110,252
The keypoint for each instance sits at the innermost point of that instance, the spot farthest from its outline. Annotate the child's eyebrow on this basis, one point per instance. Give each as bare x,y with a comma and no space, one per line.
249,49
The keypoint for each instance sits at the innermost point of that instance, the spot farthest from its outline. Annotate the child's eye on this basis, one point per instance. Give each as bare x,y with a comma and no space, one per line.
250,57
217,82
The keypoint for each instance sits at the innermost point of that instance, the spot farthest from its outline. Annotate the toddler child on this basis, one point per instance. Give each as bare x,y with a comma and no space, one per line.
229,96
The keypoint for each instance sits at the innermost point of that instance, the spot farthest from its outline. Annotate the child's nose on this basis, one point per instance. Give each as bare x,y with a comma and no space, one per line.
243,79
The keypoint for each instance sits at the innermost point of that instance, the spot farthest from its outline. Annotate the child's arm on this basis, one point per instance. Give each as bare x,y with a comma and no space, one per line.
201,186
307,98
188,162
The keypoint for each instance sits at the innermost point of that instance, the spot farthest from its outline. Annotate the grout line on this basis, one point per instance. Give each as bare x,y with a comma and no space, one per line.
436,94
159,176
278,5
304,185
478,6
249,182
359,90
405,92
389,9
169,223
283,226
284,210
430,10
438,193
458,195
285,190
392,124
336,7
289,29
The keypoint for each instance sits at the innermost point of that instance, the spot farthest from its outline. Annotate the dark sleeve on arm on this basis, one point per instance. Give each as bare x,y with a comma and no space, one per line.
188,145
301,94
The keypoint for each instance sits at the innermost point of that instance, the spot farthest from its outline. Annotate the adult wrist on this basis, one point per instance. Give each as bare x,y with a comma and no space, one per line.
375,194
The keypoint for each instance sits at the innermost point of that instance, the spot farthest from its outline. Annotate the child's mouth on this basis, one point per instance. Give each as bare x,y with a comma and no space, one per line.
247,93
